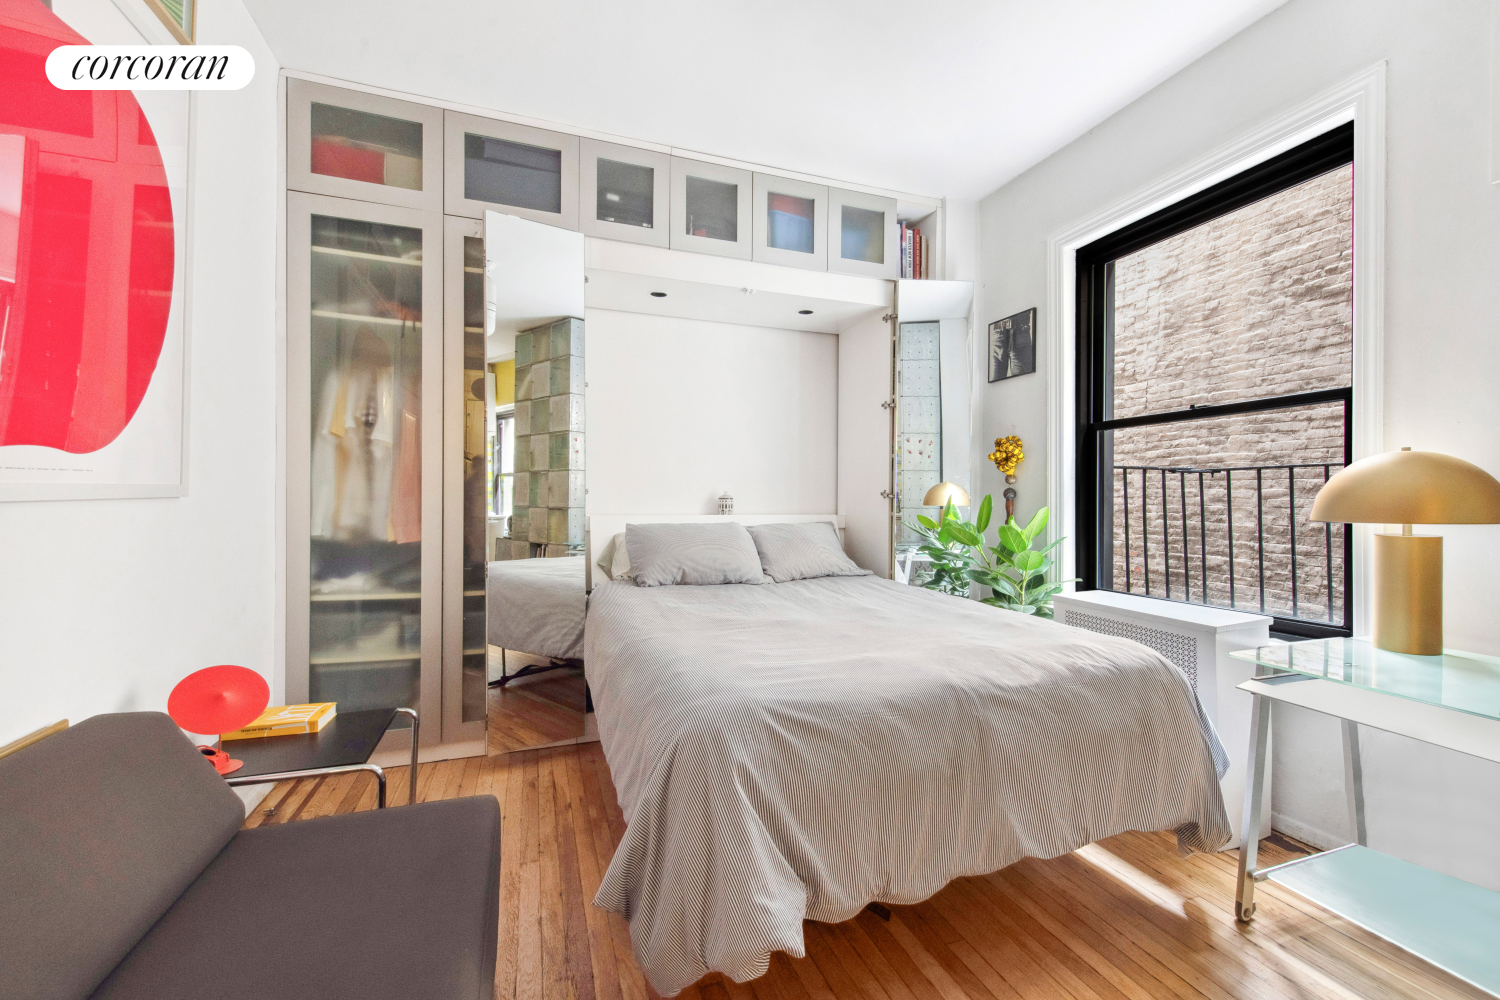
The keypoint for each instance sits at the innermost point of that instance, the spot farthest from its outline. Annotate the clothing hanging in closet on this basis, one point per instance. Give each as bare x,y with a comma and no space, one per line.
366,461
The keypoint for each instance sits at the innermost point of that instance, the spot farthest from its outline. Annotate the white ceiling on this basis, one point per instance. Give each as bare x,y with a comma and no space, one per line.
948,98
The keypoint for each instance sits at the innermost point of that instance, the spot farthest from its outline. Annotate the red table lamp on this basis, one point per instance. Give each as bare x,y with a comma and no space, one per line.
219,699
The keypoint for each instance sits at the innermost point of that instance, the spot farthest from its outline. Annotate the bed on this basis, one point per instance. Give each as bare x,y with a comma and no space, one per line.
799,750
537,606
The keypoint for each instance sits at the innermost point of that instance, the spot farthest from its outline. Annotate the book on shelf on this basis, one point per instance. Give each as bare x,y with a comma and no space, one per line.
287,720
915,253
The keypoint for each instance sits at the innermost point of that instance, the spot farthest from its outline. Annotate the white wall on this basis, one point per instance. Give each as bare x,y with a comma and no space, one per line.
106,604
1441,352
682,410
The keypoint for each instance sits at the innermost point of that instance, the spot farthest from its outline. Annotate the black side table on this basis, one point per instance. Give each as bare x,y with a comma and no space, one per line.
341,747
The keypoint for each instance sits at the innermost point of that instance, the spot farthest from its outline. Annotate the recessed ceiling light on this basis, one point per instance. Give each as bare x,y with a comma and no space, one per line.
658,295
804,312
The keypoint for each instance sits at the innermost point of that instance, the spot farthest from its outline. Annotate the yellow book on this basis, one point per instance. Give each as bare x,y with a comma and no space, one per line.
287,720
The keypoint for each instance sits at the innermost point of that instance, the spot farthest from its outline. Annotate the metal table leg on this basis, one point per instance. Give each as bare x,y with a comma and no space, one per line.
1255,783
416,730
317,772
1354,781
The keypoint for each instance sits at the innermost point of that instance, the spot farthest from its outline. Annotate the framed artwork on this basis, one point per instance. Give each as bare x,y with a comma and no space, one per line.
93,224
180,17
1013,345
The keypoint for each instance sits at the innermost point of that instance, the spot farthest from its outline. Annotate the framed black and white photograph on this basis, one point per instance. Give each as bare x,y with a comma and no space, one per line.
1013,345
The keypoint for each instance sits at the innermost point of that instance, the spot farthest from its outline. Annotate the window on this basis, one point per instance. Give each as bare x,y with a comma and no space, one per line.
503,463
1215,370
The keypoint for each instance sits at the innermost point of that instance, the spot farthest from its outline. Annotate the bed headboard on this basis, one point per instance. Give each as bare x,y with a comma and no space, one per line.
600,528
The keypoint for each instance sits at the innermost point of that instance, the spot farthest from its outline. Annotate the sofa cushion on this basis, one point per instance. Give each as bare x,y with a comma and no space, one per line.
102,827
400,902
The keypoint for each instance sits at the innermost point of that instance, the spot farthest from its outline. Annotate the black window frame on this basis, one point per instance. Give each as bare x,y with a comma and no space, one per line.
1094,469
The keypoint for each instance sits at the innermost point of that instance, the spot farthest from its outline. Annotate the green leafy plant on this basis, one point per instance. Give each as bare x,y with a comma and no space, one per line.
1015,573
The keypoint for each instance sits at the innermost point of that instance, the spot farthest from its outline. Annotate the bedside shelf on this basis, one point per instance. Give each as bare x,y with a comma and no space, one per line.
1449,922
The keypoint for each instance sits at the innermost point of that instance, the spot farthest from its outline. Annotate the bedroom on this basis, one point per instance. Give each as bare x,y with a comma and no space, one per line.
709,390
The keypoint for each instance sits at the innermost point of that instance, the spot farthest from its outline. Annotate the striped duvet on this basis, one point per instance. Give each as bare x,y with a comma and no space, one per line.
797,750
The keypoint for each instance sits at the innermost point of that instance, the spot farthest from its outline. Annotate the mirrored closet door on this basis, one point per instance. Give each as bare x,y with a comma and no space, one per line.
933,383
534,350
364,446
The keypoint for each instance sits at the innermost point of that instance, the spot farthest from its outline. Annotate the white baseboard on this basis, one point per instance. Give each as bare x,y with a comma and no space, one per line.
1310,835
251,795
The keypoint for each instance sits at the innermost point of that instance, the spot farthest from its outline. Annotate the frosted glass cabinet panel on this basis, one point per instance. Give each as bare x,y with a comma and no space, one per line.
528,172
354,145
364,519
465,486
790,222
711,208
864,234
624,193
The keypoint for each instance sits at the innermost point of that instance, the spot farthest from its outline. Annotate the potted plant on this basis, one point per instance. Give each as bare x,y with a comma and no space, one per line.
1015,573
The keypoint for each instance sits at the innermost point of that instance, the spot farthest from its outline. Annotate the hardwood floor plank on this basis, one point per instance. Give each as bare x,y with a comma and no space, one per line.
813,983
1005,955
529,924
578,944
1144,973
932,942
600,948
1045,948
835,972
512,849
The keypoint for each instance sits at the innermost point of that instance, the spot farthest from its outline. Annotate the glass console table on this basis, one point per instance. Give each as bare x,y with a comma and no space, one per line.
1451,701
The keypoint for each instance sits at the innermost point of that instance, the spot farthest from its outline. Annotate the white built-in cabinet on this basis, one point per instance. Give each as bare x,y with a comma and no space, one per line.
501,166
354,145
789,222
711,208
624,193
864,234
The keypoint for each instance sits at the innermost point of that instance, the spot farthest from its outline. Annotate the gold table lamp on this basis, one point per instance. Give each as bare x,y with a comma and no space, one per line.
944,491
1409,487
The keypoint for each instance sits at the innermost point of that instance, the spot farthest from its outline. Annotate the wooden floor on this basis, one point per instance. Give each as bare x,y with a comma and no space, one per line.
1123,918
537,710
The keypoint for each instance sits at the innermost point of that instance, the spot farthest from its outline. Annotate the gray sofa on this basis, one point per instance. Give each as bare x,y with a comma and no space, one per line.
124,874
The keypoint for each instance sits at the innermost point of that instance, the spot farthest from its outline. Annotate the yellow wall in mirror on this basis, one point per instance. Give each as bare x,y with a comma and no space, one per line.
505,382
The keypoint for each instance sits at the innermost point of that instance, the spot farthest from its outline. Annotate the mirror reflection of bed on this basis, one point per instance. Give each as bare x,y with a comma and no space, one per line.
533,425
537,691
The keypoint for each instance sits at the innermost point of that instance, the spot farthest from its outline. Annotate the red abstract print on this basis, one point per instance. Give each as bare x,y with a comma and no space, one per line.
86,247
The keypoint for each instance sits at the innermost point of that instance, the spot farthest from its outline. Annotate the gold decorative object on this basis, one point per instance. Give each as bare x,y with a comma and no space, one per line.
944,491
1007,455
1409,487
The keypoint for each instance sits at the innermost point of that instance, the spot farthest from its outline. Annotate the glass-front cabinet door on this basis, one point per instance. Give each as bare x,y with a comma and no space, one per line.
364,447
711,208
624,193
355,145
790,220
527,172
864,234
468,482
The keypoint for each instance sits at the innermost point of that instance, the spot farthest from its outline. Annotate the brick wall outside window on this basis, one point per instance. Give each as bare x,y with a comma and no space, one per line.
1255,303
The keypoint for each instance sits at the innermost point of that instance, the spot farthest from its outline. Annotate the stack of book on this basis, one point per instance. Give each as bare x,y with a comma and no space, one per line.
287,720
915,254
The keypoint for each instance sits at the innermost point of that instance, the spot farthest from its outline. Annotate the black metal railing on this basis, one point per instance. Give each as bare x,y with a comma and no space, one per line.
1255,548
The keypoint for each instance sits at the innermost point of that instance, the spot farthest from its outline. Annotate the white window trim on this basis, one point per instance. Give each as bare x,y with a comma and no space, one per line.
1361,100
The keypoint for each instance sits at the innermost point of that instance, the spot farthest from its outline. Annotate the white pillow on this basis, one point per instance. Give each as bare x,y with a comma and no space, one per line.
802,551
614,561
664,555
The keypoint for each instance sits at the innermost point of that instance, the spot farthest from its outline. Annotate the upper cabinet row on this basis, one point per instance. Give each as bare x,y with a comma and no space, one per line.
355,145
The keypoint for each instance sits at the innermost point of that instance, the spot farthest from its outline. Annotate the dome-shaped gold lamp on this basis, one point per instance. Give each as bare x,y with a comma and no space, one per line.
1409,487
944,491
